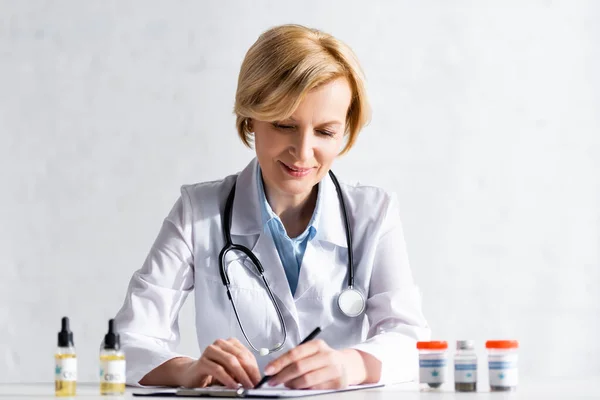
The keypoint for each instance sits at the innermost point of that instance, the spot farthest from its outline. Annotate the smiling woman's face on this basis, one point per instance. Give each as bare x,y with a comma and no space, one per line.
294,154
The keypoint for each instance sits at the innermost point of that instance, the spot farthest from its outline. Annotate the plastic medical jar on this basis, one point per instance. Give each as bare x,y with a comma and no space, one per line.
433,361
503,364
465,367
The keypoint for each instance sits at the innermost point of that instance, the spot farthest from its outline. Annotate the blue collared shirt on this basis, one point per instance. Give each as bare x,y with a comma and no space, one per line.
291,250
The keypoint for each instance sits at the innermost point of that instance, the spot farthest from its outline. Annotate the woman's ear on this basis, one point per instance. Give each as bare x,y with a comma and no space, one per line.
249,124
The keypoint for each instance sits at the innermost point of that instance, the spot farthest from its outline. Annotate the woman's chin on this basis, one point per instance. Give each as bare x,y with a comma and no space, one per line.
295,188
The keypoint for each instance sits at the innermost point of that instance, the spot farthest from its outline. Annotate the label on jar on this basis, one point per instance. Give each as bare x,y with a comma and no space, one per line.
432,368
465,371
503,370
112,371
65,369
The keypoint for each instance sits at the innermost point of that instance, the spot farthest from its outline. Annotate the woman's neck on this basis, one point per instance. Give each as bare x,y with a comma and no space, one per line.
295,211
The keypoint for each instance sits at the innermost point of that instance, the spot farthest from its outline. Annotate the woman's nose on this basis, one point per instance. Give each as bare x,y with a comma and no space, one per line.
303,145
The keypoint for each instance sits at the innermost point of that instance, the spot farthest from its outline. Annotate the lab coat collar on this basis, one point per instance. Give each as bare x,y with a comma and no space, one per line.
331,226
247,218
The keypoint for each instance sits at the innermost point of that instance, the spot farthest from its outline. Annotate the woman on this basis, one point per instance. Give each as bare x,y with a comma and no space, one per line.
301,101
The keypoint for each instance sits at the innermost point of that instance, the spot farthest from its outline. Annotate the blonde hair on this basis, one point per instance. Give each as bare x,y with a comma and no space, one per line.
283,65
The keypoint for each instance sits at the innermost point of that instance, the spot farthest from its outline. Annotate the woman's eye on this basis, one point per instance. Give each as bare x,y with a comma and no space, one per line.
326,133
284,127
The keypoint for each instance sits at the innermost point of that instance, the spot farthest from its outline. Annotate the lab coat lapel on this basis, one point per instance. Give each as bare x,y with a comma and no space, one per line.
246,225
319,262
315,266
274,273
246,218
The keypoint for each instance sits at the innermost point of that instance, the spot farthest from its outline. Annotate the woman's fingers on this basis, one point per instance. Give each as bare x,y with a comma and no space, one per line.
226,355
247,360
311,365
217,371
299,368
297,353
330,376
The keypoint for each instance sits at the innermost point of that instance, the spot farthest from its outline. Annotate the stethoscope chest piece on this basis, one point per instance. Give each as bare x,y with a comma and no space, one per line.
351,302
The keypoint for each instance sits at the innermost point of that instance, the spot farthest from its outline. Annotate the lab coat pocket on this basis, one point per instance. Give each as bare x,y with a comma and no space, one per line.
210,269
253,305
255,312
242,274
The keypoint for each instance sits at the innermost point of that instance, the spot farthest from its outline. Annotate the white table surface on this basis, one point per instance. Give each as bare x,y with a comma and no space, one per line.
585,388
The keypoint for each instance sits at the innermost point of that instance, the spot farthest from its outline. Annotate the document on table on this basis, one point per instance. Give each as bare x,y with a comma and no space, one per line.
274,393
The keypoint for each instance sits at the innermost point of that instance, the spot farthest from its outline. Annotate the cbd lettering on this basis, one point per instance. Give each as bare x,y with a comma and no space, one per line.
68,375
108,377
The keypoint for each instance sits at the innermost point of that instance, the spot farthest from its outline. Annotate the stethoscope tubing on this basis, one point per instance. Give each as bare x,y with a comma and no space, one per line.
230,246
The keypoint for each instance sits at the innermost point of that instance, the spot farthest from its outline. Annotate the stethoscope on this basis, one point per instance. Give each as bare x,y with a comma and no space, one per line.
350,301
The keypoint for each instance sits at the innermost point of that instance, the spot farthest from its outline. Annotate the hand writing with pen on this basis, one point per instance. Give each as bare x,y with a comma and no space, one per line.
313,364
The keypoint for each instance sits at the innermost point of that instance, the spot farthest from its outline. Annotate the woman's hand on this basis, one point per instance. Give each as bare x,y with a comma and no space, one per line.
315,365
227,362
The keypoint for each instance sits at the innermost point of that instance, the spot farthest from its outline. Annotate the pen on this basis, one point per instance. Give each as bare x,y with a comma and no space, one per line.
310,337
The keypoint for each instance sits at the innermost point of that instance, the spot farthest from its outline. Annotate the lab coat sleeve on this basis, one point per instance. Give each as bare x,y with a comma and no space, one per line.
148,320
396,321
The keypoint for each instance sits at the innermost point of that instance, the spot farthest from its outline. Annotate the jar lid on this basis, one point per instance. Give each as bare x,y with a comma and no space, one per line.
434,345
501,344
465,345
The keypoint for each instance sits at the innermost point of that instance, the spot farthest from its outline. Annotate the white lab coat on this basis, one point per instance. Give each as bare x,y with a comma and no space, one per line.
184,258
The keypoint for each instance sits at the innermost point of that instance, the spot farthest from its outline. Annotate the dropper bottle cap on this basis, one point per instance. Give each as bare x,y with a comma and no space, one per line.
111,339
65,336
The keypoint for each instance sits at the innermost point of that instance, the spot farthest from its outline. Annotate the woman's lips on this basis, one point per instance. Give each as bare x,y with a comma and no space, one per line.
294,171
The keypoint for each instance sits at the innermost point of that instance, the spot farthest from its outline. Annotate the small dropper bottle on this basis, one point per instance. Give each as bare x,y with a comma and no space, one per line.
65,369
112,363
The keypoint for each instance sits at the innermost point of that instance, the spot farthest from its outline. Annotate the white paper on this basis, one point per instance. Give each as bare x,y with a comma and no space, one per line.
284,392
277,391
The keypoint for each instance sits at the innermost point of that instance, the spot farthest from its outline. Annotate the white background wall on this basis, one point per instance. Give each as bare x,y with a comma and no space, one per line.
486,123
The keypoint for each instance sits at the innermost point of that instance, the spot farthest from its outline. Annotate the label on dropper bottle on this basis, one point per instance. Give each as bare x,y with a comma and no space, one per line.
112,371
66,368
